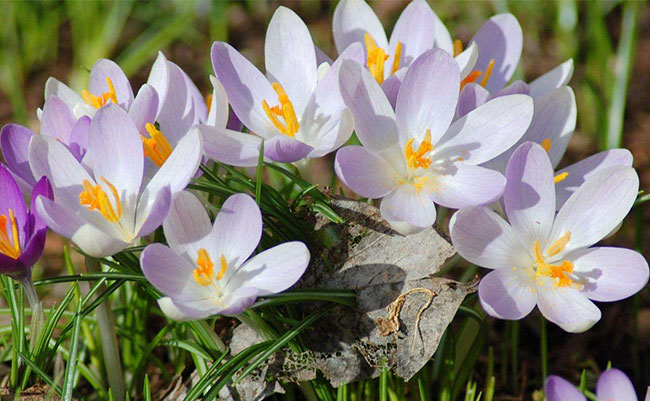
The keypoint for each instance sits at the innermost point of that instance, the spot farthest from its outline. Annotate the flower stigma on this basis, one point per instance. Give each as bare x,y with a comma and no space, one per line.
9,246
377,57
558,272
99,101
419,158
476,74
156,147
204,273
284,110
95,198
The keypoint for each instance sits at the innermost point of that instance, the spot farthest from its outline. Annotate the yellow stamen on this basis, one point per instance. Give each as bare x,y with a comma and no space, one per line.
205,270
284,110
488,73
99,101
546,144
208,101
376,58
470,78
224,267
559,245
96,199
560,177
417,158
559,272
9,246
458,47
156,147
397,58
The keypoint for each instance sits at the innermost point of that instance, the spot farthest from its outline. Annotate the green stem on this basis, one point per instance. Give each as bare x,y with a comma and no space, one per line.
107,334
543,345
35,305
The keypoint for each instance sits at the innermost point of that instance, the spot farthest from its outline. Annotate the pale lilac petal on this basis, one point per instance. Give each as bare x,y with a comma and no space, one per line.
150,214
466,60
337,137
567,307
471,97
218,114
159,79
487,131
14,140
557,77
352,20
44,188
613,384
177,111
529,198
290,56
321,57
499,39
508,293
596,208
57,119
239,300
408,205
558,389
199,108
79,138
391,85
181,165
174,312
230,147
54,87
103,69
484,238
427,97
366,174
116,149
144,108
586,168
237,229
275,269
283,149
187,226
246,87
468,185
610,274
516,88
415,30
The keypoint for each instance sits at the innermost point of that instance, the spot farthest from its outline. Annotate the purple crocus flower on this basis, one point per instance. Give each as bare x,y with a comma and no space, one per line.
547,260
414,156
612,385
297,114
22,232
104,206
208,269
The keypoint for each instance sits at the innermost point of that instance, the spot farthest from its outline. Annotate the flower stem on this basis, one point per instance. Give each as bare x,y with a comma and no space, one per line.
543,346
38,320
106,323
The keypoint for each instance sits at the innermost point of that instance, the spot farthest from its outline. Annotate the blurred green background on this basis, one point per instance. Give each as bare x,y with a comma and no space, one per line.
608,40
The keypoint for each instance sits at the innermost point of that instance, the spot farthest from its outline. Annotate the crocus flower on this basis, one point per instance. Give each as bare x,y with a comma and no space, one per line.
104,206
547,260
612,385
208,269
412,157
297,114
22,231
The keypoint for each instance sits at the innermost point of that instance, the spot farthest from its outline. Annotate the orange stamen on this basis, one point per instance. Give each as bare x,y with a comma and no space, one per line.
96,199
99,101
285,110
9,245
156,147
417,158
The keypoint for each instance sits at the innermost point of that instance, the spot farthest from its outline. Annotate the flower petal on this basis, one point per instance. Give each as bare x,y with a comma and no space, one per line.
443,38
12,198
218,114
283,149
105,68
151,212
366,174
230,147
466,60
468,185
499,39
159,79
78,144
275,269
290,56
391,85
610,274
596,208
187,226
54,87
415,30
240,299
237,228
177,112
174,312
416,111
408,205
169,272
181,165
558,389
144,108
14,140
484,238
568,308
613,384
57,119
529,198
583,170
508,293
471,97
557,77
487,131
352,20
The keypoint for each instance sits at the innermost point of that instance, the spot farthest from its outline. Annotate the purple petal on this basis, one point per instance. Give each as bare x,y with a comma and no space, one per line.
515,88
529,198
57,119
352,20
471,97
151,216
586,168
596,208
275,269
567,308
321,57
610,274
391,85
557,77
12,198
415,30
613,384
290,57
14,140
408,205
11,266
103,69
234,124
237,228
283,149
416,111
482,237
187,227
558,389
239,300
468,185
508,294
230,147
499,39
44,188
366,174
144,108
78,144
